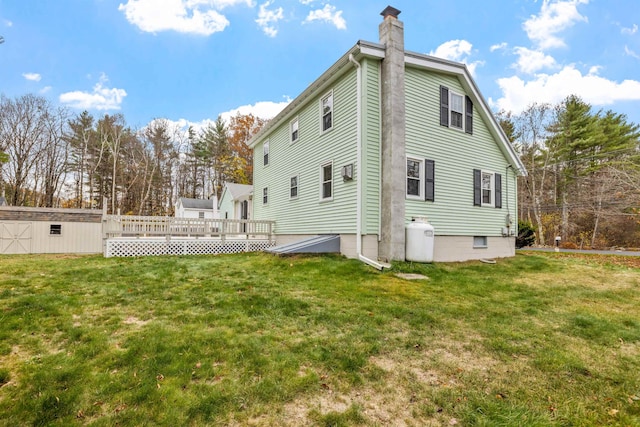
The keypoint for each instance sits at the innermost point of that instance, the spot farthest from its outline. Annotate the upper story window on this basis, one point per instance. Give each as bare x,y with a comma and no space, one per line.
265,153
293,187
326,106
294,130
201,215
265,195
327,181
456,110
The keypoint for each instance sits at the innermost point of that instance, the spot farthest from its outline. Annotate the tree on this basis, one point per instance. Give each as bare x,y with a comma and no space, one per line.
241,129
23,132
81,136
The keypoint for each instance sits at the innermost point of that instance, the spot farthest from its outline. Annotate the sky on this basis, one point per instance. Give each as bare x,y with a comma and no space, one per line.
190,61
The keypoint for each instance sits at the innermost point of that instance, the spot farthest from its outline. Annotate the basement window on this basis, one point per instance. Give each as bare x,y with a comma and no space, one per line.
55,229
480,242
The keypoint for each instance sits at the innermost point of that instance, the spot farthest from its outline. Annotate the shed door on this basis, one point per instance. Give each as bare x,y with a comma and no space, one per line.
15,237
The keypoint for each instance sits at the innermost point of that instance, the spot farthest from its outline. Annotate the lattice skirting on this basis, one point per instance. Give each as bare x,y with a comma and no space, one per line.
148,247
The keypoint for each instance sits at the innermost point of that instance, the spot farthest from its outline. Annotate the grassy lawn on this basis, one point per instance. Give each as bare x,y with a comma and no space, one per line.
254,339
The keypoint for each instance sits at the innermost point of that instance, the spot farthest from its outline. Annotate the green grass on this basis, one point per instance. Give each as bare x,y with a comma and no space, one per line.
254,339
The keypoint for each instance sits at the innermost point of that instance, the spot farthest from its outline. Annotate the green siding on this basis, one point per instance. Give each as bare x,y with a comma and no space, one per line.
307,214
371,145
456,154
226,206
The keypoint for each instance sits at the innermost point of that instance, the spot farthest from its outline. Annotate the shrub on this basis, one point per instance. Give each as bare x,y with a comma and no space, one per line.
526,234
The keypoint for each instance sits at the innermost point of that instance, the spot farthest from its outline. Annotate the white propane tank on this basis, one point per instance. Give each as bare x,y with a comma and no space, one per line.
419,240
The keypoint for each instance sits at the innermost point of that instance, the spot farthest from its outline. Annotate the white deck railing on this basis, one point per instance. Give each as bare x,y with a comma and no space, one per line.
162,226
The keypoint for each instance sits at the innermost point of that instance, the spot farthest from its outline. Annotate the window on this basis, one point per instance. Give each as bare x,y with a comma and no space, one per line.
201,215
480,242
326,105
487,185
293,187
265,152
420,179
487,188
456,110
327,181
414,178
265,195
294,130
55,229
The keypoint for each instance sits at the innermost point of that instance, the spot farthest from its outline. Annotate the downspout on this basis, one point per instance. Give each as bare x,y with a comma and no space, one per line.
361,257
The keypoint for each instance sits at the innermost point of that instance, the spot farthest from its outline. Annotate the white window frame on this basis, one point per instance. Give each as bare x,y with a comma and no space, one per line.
297,186
420,195
480,242
200,214
294,129
453,94
329,95
265,195
491,189
265,153
323,182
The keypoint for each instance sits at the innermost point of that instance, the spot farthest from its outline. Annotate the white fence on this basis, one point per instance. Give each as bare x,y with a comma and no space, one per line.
126,235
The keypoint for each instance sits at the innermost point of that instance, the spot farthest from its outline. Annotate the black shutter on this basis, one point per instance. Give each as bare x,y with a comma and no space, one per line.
477,187
444,106
498,180
468,111
429,180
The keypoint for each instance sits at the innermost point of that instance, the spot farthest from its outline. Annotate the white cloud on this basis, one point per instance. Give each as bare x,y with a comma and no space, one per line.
530,61
458,51
327,14
555,16
262,109
306,2
45,89
34,77
553,88
8,23
499,46
630,31
102,98
200,17
267,18
631,53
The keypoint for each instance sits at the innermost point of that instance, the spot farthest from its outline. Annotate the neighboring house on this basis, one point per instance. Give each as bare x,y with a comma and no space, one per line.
196,208
385,135
236,201
26,230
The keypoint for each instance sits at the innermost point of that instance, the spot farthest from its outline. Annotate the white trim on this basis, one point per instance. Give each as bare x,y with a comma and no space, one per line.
421,179
297,177
462,113
266,155
492,188
297,122
333,121
322,181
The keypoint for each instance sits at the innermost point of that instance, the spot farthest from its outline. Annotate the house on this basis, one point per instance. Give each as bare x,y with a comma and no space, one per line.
236,201
196,208
383,136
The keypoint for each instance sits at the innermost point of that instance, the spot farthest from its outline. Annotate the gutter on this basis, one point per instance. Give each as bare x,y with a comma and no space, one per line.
361,257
